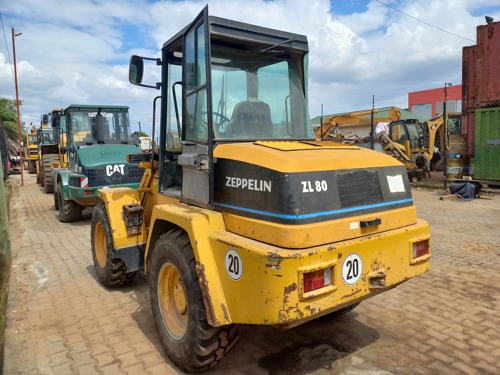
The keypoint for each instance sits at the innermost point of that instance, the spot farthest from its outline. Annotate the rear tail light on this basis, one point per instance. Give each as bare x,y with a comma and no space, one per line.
88,192
420,249
317,279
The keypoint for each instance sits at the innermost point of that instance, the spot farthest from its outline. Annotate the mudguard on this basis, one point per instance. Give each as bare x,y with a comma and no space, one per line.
198,223
61,174
114,200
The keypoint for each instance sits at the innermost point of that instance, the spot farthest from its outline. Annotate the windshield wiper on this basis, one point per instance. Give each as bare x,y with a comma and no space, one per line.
277,45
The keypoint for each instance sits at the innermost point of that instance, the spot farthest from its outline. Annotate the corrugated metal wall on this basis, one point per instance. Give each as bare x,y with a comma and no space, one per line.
487,144
481,102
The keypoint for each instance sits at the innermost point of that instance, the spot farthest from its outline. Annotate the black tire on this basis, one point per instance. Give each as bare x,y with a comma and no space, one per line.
345,310
39,176
31,166
48,173
111,270
56,200
68,210
179,312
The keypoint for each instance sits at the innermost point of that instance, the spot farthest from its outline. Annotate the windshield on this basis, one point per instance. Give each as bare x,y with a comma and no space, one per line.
99,125
257,96
32,138
47,136
415,132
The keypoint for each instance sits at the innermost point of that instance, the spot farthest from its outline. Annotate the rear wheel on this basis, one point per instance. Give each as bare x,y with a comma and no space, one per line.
39,176
345,310
178,308
32,166
68,210
48,172
110,270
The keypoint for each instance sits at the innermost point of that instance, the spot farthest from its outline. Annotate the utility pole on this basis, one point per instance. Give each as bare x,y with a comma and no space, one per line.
445,136
140,131
372,129
21,162
321,123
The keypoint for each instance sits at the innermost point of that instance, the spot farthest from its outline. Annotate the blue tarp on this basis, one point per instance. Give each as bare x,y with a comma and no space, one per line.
465,190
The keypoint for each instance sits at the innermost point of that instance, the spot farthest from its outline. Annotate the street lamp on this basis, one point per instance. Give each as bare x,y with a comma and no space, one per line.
17,107
445,134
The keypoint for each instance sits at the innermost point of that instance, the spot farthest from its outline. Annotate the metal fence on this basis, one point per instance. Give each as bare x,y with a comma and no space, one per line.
4,152
474,145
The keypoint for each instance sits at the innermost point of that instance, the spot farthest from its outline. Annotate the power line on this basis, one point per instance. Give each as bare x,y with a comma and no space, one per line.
6,45
425,23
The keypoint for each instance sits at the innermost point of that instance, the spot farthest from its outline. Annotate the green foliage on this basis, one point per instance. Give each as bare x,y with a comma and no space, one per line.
139,134
8,118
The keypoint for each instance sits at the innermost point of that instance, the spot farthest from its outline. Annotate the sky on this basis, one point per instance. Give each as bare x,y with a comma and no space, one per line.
78,51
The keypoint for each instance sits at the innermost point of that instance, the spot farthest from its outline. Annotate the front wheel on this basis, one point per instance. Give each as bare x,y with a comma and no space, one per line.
110,270
48,172
31,166
178,308
56,201
68,210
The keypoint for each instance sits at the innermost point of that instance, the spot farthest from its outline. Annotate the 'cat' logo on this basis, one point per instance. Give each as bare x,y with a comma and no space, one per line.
110,169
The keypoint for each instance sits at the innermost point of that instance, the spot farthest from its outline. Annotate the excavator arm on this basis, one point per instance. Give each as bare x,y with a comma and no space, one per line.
329,128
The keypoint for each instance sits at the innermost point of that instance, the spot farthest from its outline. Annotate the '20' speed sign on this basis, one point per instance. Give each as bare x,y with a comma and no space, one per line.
234,265
352,268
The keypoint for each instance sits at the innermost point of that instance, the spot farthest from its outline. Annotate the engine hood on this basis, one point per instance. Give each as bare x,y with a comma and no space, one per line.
105,154
303,156
307,182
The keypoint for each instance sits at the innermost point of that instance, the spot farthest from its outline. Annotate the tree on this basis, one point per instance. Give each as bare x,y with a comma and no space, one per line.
139,134
8,118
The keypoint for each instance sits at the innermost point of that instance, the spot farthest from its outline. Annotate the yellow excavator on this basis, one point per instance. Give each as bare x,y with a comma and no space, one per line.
330,129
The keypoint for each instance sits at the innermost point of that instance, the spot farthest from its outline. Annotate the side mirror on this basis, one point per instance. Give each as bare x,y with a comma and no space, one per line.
136,70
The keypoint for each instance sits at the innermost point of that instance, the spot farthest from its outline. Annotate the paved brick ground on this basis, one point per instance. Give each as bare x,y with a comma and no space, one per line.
61,321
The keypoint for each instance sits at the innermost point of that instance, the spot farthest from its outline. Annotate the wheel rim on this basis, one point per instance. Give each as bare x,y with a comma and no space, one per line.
100,244
172,301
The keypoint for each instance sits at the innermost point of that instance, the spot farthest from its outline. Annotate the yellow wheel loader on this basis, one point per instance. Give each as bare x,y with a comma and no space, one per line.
30,150
49,148
242,216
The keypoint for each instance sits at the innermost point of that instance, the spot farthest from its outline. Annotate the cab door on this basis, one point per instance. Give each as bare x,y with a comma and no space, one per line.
197,133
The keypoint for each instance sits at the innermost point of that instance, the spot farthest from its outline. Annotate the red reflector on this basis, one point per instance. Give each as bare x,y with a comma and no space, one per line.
317,279
88,192
420,249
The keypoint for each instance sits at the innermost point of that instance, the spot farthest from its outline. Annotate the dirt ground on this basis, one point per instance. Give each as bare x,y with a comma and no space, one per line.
60,320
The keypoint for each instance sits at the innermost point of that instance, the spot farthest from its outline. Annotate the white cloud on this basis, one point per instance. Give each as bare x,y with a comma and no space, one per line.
77,51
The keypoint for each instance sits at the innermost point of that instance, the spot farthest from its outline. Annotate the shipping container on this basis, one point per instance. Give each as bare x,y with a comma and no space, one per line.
488,58
468,128
480,66
487,144
468,77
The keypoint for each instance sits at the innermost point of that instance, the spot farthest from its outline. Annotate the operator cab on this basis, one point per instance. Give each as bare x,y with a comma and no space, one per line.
90,125
226,82
409,130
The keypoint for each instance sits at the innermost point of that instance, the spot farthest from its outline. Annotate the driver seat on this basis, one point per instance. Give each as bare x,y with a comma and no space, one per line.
251,119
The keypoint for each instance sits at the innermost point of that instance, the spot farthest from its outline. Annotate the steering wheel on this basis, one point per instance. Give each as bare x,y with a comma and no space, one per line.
220,121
